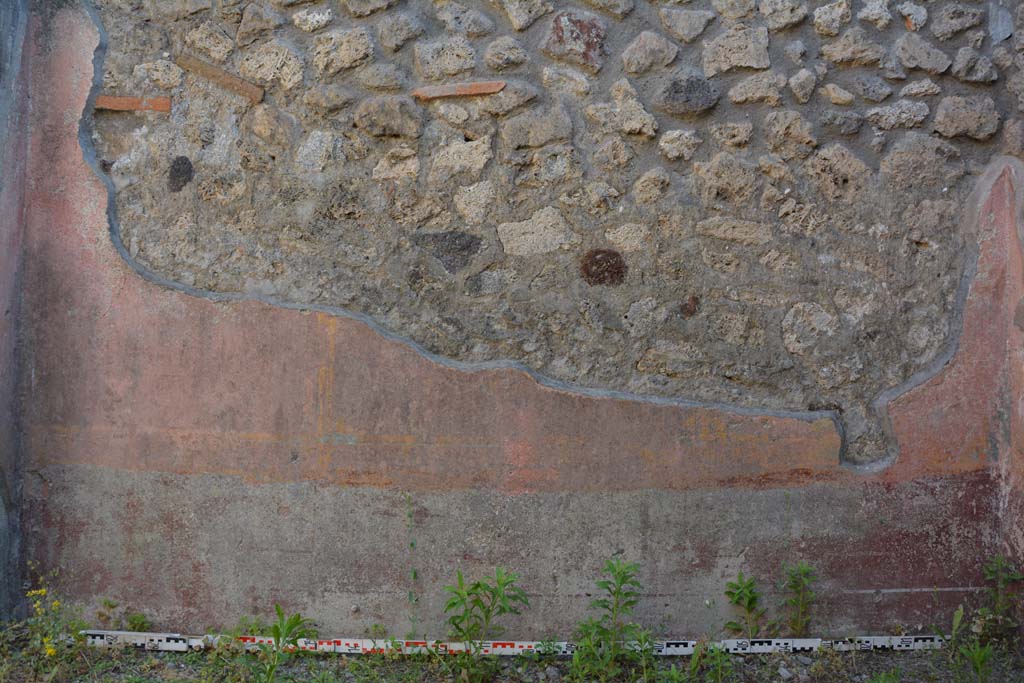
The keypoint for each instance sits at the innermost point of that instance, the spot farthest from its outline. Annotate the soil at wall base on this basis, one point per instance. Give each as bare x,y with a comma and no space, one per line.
131,666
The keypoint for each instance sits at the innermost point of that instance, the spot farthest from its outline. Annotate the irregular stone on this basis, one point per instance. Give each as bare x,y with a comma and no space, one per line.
325,99
464,159
974,117
803,327
829,19
802,84
651,186
536,128
315,151
914,52
178,9
891,67
514,95
732,134
458,18
795,51
273,126
737,46
312,20
399,163
973,67
618,8
257,18
733,9
505,52
919,163
646,51
686,92
853,49
475,202
444,57
210,39
270,61
545,231
364,8
836,95
595,197
1000,23
577,37
522,13
381,76
735,230
764,87
923,88
902,114
454,249
179,174
679,144
726,178
1015,86
388,116
629,237
842,122
625,113
838,174
914,15
161,73
789,134
876,13
564,79
954,18
871,88
395,30
685,24
780,14
341,49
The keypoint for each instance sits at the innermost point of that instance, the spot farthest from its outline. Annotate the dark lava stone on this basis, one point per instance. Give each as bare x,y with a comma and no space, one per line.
603,267
180,174
842,122
454,248
686,93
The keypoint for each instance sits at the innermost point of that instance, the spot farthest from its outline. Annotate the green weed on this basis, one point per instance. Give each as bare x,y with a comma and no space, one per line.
799,588
285,634
601,642
743,594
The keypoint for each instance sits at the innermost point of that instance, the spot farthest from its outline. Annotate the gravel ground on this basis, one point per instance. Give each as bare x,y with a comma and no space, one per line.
130,666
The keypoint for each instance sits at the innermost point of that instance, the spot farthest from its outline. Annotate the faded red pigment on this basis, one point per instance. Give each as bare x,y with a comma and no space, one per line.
122,375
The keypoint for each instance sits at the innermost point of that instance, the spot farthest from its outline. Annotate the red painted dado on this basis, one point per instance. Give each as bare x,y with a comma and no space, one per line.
125,376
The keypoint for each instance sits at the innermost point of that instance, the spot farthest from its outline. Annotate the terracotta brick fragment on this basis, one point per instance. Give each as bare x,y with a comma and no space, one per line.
117,103
432,92
219,76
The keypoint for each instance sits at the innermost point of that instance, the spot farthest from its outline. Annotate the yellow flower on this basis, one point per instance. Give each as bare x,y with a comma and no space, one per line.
37,606
55,605
36,593
50,651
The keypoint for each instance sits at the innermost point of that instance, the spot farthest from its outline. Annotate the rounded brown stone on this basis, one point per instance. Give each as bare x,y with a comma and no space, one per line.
603,267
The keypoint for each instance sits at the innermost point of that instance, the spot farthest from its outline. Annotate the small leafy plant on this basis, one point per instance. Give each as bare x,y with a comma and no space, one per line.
474,607
979,659
743,594
1000,618
891,676
286,634
603,643
799,588
718,666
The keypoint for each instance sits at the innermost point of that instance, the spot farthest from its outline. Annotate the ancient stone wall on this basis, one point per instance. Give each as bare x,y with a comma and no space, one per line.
199,455
13,135
725,201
